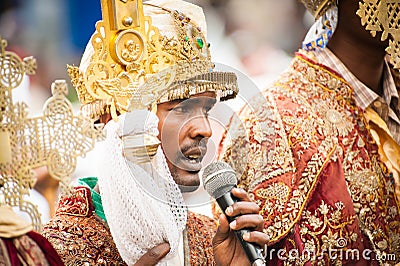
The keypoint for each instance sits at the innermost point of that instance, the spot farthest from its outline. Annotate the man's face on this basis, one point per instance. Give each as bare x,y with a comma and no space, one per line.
184,131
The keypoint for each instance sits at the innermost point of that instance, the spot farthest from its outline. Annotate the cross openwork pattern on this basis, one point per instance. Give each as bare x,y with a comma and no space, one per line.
54,139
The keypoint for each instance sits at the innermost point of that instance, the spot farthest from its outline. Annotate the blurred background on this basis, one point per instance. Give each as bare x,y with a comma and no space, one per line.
256,37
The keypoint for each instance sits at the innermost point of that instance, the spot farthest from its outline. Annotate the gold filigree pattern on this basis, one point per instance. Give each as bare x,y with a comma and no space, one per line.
335,120
368,189
383,15
253,142
284,214
278,192
54,140
324,233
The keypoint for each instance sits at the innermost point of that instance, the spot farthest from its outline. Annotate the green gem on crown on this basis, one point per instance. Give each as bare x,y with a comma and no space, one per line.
200,42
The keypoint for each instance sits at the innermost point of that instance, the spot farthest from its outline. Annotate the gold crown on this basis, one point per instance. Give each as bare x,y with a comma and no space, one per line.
318,7
133,66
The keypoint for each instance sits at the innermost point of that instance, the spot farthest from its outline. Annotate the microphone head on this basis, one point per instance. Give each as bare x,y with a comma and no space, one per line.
218,179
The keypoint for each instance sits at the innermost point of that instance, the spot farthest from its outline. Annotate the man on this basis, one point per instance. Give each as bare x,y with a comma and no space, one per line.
325,178
140,55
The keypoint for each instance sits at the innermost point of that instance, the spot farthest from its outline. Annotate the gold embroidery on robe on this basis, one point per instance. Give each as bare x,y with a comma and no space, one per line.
321,144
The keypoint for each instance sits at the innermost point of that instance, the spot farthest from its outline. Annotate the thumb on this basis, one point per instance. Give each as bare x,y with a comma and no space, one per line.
154,255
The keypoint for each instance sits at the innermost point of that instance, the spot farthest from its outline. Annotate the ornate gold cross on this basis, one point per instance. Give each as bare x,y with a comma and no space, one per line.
54,140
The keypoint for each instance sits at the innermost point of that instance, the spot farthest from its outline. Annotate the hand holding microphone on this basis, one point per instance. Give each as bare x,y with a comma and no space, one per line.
239,236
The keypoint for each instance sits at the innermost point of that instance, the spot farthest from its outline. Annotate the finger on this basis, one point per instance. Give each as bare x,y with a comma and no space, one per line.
255,221
256,237
242,207
154,255
241,194
223,224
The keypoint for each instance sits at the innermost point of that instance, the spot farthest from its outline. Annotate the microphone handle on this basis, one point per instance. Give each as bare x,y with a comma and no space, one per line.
253,253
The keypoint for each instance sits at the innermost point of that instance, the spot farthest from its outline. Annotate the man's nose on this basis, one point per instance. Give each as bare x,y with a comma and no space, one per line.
200,127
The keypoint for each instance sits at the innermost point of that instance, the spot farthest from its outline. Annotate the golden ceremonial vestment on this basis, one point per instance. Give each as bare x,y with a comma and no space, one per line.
307,157
81,237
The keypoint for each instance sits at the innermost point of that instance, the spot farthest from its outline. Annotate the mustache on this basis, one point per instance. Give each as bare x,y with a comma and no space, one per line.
201,144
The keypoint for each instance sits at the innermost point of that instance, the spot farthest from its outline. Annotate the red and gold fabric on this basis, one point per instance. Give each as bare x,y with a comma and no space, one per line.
308,159
28,249
19,245
83,238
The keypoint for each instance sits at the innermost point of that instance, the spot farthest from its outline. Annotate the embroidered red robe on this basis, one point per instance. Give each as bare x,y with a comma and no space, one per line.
82,238
306,156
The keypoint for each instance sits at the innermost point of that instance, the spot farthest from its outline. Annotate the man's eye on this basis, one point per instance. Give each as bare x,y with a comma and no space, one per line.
180,109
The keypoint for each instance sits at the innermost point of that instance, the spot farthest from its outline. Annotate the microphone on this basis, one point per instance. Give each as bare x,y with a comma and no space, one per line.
218,180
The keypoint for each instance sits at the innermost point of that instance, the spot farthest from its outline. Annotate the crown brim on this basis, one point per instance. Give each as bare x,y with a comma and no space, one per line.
179,82
223,83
